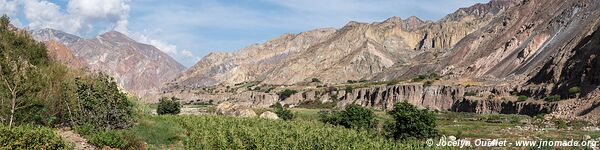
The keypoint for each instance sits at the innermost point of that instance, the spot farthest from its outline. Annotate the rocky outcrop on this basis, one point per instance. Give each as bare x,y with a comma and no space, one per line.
60,53
231,109
137,67
269,115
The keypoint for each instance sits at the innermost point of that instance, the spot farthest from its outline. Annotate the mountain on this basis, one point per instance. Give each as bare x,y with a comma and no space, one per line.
487,55
137,67
355,52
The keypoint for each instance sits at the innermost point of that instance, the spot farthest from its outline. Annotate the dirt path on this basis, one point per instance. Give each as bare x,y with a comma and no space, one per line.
74,138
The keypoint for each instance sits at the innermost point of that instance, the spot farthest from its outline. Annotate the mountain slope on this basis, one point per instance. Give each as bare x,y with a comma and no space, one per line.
137,67
356,51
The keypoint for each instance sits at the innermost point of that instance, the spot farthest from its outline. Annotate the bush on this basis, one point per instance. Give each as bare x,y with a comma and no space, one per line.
108,138
168,106
353,116
574,90
411,122
350,81
286,93
521,98
579,124
553,98
29,137
560,123
428,83
282,112
316,80
349,89
470,93
419,78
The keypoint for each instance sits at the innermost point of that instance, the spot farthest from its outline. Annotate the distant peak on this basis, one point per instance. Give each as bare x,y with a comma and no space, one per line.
394,19
413,18
115,35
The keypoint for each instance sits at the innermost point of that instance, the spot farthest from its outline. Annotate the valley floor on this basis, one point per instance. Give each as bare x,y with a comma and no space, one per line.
307,132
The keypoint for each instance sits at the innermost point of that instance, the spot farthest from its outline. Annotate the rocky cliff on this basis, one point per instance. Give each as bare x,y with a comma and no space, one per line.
137,67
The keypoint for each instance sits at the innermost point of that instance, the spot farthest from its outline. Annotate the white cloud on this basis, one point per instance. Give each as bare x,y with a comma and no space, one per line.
81,16
112,11
8,7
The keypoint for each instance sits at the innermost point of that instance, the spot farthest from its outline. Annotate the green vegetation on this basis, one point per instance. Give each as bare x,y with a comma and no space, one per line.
108,138
209,132
573,91
353,116
168,106
431,77
411,122
553,98
283,113
286,93
29,137
470,93
315,80
559,123
521,98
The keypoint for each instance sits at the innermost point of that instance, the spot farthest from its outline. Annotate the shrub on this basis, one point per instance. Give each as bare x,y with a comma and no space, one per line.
110,138
574,90
286,93
553,98
419,78
521,98
349,89
29,137
168,106
428,83
411,122
470,93
102,104
353,116
282,112
350,81
579,124
559,123
316,80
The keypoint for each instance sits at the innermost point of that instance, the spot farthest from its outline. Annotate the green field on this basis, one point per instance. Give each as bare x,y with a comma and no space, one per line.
306,132
221,132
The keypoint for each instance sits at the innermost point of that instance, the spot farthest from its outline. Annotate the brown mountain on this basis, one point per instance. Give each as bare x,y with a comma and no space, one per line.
137,67
541,49
356,51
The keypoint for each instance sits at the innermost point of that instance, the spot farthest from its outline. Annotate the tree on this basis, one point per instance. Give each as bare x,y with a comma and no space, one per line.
4,21
282,112
353,116
411,122
18,79
574,91
286,93
168,106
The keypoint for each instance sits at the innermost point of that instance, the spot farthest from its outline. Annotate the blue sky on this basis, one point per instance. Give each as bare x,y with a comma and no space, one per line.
190,29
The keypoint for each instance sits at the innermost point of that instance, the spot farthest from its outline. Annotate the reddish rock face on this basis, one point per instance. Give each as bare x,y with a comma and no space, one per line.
137,67
60,53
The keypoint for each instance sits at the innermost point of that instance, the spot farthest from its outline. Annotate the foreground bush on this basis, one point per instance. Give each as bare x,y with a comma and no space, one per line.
353,116
283,113
411,122
168,106
109,138
29,137
218,132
